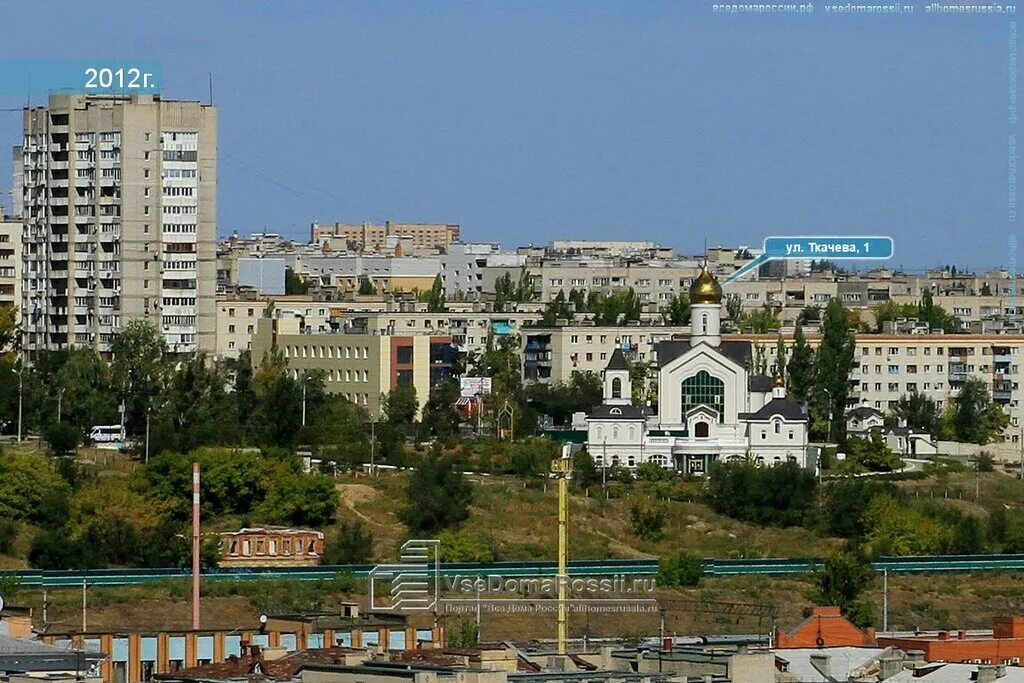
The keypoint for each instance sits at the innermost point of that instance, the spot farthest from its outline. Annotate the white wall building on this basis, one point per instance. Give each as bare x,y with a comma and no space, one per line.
712,406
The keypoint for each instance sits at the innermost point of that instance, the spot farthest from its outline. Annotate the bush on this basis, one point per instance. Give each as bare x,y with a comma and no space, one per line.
353,545
62,438
647,517
683,569
842,579
783,495
459,546
8,534
437,497
985,462
301,500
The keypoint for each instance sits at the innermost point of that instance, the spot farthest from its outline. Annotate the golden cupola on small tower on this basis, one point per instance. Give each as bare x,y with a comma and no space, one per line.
705,289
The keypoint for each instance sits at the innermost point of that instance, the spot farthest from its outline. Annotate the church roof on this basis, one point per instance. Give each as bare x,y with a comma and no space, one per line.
788,408
606,412
736,350
863,412
760,383
617,361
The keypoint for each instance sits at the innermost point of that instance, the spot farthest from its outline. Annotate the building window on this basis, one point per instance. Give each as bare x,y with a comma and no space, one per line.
703,390
701,430
617,388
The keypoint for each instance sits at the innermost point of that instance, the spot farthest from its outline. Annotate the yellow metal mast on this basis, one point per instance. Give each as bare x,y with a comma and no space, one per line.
562,467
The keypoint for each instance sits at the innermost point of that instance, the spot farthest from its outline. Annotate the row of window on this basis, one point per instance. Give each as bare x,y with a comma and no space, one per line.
170,209
175,191
180,173
327,351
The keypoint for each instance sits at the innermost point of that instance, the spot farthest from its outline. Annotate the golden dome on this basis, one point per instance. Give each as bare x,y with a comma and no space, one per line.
705,289
779,380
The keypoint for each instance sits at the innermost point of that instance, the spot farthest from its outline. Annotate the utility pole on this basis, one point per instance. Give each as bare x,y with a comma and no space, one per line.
303,400
60,396
373,443
21,393
85,623
885,601
147,435
562,467
195,546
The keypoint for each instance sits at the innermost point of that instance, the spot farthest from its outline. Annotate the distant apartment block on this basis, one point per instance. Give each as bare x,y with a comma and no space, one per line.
10,261
375,237
120,205
356,362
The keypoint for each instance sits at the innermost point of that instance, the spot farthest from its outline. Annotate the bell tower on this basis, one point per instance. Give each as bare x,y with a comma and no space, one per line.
617,388
705,309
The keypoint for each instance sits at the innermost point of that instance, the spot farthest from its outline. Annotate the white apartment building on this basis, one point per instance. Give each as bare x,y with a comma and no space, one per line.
119,197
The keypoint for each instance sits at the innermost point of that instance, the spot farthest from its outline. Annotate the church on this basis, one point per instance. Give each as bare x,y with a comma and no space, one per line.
711,404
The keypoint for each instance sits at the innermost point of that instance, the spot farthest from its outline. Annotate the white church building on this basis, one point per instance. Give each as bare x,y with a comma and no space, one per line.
711,404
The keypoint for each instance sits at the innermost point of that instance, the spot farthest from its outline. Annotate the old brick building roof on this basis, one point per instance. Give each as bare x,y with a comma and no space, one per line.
254,667
825,627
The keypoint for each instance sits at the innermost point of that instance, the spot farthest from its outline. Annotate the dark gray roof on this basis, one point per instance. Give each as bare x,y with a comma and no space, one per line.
863,412
760,383
907,431
604,412
736,350
23,654
788,408
617,361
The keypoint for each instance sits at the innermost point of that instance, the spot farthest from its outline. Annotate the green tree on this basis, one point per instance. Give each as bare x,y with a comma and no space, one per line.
801,366
507,290
680,570
437,497
584,469
677,311
809,314
783,495
639,372
301,500
293,284
916,410
872,453
31,490
847,502
734,307
352,545
842,580
366,286
833,362
277,415
647,517
779,367
435,298
761,321
138,368
400,406
974,417
441,417
557,309
459,546
466,635
62,438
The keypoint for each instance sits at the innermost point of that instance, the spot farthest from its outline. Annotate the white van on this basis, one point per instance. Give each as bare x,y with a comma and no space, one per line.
110,434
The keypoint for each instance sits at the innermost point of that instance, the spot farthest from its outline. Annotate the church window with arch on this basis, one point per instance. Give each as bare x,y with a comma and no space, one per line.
703,390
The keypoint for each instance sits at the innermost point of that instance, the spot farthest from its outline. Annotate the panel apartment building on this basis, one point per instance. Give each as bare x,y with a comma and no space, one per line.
120,202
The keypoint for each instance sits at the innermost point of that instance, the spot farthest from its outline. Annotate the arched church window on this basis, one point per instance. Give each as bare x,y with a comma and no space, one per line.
704,323
615,432
617,387
703,390
701,430
632,433
778,427
599,433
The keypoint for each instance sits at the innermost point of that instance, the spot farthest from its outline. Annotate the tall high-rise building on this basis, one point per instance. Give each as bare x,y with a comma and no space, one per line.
119,203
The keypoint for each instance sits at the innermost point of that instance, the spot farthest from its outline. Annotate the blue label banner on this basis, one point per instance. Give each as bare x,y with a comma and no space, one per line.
824,247
79,76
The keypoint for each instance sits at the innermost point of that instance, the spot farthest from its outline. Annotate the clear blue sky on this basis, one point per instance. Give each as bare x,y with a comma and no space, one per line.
526,120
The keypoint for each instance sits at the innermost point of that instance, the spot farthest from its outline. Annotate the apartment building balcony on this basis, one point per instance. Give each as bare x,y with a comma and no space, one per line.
61,182
958,376
58,220
59,129
59,165
1001,358
59,201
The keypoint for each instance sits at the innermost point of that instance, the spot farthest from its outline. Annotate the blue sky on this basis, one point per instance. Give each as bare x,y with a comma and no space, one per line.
527,120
